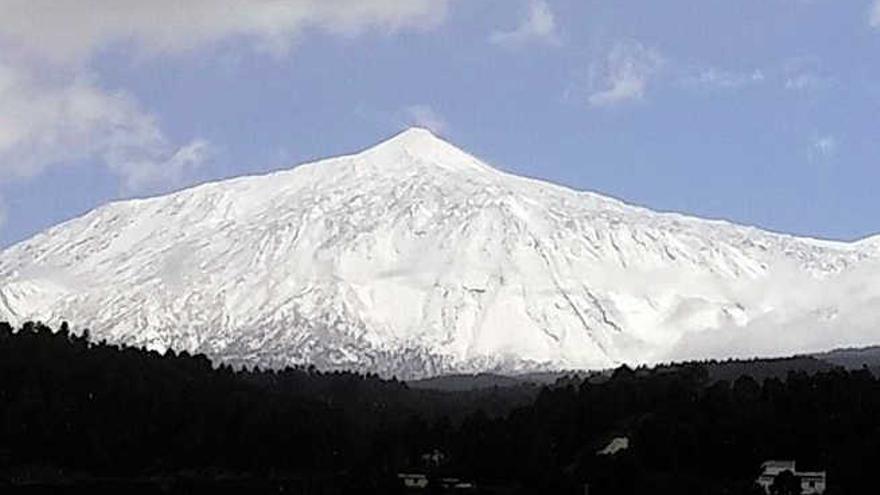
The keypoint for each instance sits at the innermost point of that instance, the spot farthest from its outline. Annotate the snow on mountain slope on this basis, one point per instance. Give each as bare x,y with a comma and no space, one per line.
414,258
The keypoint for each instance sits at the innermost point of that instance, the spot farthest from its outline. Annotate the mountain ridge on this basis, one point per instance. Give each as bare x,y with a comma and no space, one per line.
415,258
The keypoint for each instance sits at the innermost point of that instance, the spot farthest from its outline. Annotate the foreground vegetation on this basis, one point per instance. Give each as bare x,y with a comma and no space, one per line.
77,412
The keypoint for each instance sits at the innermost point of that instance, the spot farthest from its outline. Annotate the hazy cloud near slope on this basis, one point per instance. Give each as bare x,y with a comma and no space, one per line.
822,314
163,167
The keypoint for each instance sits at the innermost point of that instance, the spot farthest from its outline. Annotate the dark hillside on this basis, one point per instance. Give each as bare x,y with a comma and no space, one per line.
82,415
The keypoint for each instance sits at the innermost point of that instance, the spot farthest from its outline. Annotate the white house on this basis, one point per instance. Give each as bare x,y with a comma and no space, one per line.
812,482
414,481
618,444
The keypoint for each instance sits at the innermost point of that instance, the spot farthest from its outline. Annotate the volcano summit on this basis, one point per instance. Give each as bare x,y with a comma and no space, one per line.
414,258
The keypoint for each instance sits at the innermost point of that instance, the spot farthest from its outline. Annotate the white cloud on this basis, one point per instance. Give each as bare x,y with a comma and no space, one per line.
721,79
47,122
625,74
72,30
804,81
53,112
823,147
538,26
425,116
805,74
797,74
875,14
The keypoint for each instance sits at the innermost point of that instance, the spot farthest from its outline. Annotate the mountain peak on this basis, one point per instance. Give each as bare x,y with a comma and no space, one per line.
415,134
418,145
416,141
413,258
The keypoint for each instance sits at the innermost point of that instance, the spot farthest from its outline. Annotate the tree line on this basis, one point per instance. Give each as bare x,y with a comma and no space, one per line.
73,409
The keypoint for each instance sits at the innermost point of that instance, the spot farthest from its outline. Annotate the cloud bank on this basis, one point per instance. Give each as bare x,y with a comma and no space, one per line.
54,112
69,31
822,314
47,122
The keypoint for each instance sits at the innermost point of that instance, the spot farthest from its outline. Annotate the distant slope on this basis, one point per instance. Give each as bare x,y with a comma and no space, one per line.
729,370
414,258
458,383
853,358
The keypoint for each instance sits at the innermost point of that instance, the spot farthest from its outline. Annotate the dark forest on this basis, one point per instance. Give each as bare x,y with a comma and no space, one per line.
80,414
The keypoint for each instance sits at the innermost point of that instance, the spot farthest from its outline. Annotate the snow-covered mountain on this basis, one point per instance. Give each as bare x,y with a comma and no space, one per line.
414,258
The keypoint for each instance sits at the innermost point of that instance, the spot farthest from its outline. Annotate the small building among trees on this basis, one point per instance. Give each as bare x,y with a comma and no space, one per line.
783,478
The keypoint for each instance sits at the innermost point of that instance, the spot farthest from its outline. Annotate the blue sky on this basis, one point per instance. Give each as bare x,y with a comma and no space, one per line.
763,112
